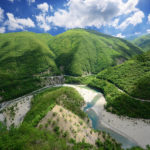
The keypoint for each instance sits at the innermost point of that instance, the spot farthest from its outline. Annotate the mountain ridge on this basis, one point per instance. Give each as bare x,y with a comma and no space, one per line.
26,56
97,51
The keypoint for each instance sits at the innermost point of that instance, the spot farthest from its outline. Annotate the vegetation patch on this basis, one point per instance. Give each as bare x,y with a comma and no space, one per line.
119,102
83,52
133,76
45,101
79,80
22,56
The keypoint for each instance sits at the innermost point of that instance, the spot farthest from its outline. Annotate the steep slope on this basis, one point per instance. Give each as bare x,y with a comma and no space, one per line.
81,51
143,42
23,55
44,127
26,55
133,76
120,103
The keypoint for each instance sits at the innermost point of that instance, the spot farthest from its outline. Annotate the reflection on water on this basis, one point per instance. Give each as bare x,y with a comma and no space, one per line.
91,104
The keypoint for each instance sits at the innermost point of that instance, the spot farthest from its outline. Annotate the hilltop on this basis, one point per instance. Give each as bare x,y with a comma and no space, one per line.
81,51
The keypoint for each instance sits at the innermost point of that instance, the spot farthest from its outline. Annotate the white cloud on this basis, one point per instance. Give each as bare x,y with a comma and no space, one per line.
83,13
120,35
1,14
31,1
148,30
51,8
129,6
149,18
43,7
2,29
114,23
42,17
42,23
18,23
11,1
135,19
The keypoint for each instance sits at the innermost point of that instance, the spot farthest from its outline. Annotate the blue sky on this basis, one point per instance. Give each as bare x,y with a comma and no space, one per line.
122,18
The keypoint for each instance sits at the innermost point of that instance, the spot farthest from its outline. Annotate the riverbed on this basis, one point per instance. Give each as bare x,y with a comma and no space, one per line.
129,132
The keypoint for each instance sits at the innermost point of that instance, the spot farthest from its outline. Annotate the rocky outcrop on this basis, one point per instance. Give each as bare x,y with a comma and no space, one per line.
52,80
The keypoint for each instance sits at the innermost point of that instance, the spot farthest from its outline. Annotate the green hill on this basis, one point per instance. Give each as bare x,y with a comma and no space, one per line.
143,42
26,55
23,55
81,51
49,136
133,76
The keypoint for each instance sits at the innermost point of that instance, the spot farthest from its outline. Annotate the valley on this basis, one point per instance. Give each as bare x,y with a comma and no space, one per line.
26,57
74,74
78,90
129,132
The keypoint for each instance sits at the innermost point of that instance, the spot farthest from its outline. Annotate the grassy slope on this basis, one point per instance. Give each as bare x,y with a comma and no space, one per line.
143,42
83,51
31,138
133,76
79,80
21,56
25,54
65,96
120,103
117,102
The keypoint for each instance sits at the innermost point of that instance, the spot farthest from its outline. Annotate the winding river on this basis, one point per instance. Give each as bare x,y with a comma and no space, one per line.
94,106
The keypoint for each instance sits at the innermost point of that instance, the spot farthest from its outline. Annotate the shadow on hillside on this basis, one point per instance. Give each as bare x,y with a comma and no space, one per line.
142,89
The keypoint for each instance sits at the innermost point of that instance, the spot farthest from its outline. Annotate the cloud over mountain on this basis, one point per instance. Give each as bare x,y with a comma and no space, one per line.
107,16
14,23
97,13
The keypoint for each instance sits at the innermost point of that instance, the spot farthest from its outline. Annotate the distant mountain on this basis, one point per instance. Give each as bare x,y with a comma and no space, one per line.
133,76
143,42
131,38
81,51
25,56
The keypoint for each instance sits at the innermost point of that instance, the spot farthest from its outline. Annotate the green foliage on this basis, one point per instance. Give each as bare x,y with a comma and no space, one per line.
83,146
28,138
99,143
133,76
40,115
81,51
13,88
23,55
45,101
56,130
119,102
79,80
143,42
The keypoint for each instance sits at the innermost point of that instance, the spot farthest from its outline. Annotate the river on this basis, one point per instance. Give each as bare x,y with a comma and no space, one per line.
94,107
94,112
